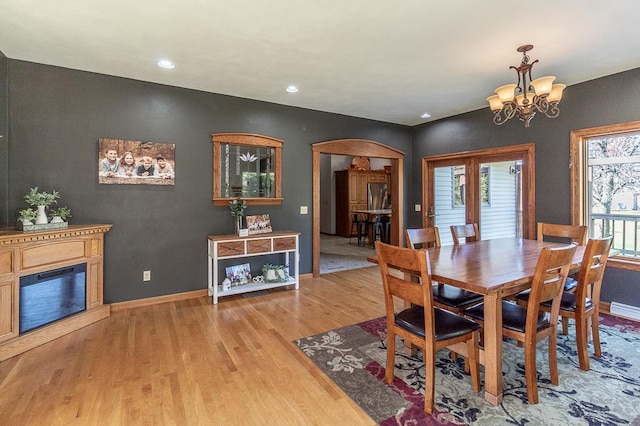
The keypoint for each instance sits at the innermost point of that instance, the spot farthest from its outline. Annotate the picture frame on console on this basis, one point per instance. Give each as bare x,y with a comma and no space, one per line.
239,274
259,224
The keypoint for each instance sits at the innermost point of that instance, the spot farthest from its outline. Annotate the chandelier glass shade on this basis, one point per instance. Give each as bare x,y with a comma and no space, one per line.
528,96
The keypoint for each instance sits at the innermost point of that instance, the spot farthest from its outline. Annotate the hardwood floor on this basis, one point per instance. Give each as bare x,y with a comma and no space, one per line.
194,363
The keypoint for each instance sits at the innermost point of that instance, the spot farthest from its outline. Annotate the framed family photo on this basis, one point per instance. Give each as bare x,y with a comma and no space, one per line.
259,224
128,162
239,274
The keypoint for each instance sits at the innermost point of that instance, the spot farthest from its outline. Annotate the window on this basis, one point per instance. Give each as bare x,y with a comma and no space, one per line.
458,181
606,187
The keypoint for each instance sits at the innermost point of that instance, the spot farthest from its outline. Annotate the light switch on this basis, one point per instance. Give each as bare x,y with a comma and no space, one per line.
304,210
418,207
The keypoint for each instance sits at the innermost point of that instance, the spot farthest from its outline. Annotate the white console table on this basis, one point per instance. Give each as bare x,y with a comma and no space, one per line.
232,246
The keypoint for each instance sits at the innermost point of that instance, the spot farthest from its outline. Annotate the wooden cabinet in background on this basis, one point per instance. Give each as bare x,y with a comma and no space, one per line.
351,194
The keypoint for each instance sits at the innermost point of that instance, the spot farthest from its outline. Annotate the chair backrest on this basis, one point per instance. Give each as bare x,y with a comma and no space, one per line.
418,238
468,232
574,233
592,268
548,282
411,263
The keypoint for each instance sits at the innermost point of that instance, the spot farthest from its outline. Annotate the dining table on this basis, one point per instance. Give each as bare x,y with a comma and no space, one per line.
496,268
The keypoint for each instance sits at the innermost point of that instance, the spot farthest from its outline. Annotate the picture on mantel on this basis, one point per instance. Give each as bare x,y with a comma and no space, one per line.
125,162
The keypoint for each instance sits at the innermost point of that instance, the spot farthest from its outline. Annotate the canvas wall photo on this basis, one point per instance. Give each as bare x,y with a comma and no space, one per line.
128,162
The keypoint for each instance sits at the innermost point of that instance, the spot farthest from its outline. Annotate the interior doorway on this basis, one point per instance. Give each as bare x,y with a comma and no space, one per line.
363,148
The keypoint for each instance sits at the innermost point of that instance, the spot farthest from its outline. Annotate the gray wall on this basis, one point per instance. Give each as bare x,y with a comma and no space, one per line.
4,140
57,115
609,100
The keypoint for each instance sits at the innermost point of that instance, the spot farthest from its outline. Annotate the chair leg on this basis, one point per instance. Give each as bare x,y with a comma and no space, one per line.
530,371
581,343
565,326
429,379
553,358
391,356
595,330
473,363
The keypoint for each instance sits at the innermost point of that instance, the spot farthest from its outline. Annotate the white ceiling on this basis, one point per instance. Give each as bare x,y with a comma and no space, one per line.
382,60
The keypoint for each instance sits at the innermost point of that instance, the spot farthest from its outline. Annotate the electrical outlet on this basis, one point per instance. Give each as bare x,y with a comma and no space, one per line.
304,210
418,207
146,275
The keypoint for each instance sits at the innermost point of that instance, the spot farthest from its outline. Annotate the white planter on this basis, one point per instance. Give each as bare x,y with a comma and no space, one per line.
56,219
41,218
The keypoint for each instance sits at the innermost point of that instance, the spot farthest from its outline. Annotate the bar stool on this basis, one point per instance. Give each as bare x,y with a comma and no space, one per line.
360,225
378,229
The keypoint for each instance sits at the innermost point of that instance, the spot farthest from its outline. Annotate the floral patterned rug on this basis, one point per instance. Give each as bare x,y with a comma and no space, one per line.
609,394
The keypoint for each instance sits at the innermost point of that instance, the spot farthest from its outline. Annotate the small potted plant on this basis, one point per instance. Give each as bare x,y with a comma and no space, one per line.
27,216
237,207
60,214
41,200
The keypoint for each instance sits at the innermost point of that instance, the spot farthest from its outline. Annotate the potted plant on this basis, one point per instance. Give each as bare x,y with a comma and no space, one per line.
41,200
27,216
237,207
60,214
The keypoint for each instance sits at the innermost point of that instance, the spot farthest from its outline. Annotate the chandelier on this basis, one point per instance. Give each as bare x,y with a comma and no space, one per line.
540,95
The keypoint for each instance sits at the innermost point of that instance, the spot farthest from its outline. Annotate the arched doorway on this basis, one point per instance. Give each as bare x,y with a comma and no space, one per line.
364,148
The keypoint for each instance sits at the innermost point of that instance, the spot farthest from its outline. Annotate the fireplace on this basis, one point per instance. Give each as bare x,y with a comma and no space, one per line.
51,296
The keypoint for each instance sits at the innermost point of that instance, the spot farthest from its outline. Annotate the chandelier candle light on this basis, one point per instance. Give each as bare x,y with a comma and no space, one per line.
538,95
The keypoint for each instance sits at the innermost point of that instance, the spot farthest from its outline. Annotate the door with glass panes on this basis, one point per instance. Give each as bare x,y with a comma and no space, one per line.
492,189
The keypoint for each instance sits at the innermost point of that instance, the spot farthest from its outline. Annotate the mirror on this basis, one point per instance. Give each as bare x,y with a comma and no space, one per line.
246,166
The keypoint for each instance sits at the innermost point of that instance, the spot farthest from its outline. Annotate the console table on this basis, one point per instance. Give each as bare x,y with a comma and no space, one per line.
233,247
26,253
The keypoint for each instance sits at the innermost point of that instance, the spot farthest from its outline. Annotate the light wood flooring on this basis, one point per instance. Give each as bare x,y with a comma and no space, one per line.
194,363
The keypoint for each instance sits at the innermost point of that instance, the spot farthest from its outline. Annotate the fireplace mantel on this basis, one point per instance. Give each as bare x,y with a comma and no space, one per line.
25,253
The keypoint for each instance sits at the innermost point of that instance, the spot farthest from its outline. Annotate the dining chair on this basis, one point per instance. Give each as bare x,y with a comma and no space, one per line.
424,325
445,296
583,304
529,325
468,233
561,233
565,234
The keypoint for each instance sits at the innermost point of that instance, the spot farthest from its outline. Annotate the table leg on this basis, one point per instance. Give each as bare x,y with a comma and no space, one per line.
493,349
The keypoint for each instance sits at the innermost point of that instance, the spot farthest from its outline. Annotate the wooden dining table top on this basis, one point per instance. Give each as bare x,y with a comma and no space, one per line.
502,265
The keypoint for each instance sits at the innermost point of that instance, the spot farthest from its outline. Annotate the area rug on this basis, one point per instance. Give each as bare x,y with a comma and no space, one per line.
330,262
609,394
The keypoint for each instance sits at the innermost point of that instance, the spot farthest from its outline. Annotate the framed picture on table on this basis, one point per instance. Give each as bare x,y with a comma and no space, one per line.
259,224
239,274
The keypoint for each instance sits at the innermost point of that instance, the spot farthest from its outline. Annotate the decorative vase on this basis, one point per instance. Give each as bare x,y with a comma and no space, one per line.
41,218
238,224
56,219
26,222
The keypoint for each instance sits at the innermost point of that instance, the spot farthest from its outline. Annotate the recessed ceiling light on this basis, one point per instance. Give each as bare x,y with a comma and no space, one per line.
292,89
425,115
165,63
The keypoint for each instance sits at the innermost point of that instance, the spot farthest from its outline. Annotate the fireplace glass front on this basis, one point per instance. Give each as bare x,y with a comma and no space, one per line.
50,296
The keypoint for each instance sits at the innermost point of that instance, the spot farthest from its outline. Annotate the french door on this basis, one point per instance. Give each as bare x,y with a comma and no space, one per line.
494,188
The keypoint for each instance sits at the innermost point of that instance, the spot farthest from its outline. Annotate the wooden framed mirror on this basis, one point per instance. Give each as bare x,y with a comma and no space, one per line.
247,166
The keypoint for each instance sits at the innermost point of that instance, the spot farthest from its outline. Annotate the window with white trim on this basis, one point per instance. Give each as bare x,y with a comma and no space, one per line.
606,186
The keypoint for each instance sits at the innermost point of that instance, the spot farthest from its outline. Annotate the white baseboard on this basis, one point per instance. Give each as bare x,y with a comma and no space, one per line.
626,311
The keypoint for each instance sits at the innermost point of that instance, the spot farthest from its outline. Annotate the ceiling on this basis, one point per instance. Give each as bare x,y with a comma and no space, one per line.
381,60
